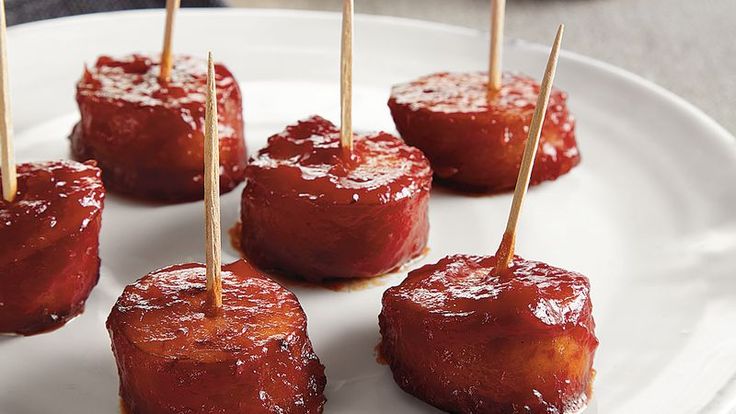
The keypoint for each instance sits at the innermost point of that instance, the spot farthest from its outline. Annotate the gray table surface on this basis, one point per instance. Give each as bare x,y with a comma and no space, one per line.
686,46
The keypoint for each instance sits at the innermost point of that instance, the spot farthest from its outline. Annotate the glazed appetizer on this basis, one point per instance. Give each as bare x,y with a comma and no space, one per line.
310,212
517,341
250,356
474,139
49,259
147,134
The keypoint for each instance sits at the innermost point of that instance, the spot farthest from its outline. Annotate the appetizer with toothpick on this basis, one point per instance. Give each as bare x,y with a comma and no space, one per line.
494,334
142,119
50,216
321,202
195,338
473,126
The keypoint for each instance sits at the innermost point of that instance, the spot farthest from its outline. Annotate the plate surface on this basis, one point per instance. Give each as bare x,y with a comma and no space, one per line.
649,215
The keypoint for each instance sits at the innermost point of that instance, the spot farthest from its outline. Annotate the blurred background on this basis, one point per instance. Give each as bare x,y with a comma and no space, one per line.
684,45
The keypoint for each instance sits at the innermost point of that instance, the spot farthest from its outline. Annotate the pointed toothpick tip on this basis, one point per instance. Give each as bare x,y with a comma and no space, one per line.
210,70
505,253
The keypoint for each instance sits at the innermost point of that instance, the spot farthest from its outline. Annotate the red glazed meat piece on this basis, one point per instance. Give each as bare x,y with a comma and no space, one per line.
49,237
252,357
488,345
311,213
475,143
147,136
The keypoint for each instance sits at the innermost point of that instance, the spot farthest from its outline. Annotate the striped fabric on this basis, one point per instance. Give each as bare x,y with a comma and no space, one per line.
21,11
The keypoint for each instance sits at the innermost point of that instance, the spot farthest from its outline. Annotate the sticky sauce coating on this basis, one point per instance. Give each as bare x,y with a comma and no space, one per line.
306,161
147,135
309,212
252,357
517,344
49,236
475,140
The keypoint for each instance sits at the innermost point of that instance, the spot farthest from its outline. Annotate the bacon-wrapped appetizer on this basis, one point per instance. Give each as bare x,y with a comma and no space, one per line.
522,342
474,138
49,237
147,134
315,214
251,356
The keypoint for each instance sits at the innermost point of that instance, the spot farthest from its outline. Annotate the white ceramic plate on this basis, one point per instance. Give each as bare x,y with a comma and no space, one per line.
648,215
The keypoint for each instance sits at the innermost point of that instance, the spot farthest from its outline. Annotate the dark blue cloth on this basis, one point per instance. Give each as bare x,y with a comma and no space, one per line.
21,11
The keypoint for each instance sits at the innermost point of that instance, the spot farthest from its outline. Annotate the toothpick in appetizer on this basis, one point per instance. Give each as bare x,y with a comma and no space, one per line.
194,338
322,202
473,126
142,119
50,216
494,334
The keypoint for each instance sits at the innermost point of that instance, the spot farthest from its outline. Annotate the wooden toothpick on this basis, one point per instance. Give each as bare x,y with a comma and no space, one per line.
505,253
167,59
10,181
346,79
212,192
494,64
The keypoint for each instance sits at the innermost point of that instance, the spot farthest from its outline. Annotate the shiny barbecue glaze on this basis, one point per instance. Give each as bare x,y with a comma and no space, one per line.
521,343
49,245
474,141
311,213
148,136
252,357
